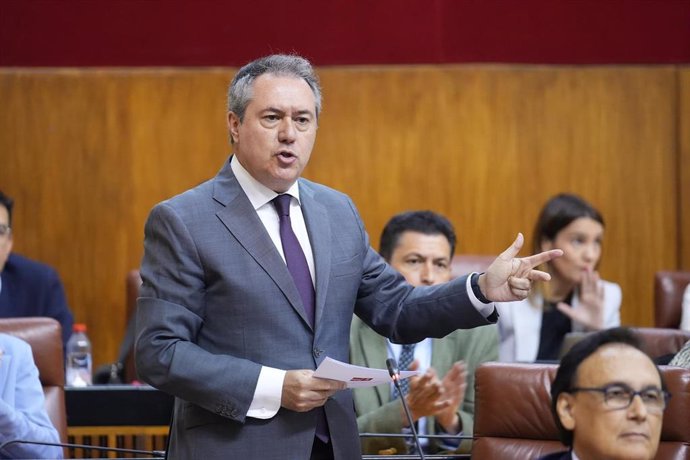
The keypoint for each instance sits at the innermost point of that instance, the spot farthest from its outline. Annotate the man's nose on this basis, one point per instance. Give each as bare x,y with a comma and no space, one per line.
427,275
286,130
637,409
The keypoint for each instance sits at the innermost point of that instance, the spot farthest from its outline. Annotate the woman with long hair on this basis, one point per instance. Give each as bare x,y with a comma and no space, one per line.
575,299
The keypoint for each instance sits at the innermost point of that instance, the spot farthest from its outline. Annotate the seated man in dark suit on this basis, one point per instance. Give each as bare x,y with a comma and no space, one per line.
420,245
28,288
608,399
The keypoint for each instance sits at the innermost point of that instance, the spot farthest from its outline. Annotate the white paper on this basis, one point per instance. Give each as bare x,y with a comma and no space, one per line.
356,376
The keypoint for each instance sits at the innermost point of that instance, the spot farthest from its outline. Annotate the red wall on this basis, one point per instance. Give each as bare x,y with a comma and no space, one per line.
335,32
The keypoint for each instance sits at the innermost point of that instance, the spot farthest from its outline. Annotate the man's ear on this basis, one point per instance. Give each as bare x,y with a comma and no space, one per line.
565,407
233,127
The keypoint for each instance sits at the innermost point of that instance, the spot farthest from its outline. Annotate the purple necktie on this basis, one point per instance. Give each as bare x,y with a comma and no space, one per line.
294,256
297,265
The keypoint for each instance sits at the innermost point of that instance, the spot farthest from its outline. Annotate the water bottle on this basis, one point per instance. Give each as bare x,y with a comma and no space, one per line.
78,370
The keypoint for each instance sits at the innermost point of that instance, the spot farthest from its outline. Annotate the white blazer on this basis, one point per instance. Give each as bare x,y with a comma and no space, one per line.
519,324
685,318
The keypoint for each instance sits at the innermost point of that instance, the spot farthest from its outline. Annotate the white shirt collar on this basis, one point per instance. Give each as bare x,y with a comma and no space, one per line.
258,194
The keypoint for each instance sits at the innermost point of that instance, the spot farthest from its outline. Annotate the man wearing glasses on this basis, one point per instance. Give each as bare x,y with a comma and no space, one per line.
608,399
28,288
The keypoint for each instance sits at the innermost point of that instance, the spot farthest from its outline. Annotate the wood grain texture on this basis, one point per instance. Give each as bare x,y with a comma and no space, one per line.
86,153
683,173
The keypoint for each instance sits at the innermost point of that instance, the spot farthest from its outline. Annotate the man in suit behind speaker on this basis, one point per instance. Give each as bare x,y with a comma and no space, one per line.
420,245
250,281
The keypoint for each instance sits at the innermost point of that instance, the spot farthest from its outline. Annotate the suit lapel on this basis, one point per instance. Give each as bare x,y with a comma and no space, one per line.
240,218
375,353
318,226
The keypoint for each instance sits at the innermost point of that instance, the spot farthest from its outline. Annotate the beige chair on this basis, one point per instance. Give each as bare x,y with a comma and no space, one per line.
513,413
45,337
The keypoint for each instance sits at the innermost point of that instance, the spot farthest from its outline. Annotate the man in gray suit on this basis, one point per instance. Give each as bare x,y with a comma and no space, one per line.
251,279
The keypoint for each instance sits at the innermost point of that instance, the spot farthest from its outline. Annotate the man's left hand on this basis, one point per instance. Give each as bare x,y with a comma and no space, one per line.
509,278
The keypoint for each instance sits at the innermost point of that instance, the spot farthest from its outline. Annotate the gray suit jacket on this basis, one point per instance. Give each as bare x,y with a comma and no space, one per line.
218,303
376,413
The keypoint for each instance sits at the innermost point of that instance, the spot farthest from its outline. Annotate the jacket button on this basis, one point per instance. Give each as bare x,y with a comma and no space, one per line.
317,352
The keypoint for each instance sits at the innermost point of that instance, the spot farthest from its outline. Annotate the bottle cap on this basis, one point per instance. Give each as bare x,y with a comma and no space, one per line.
79,327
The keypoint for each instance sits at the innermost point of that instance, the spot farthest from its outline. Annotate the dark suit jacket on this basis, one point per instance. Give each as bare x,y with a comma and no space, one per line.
31,288
218,303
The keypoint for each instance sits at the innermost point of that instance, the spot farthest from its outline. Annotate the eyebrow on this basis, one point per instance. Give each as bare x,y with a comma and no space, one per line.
281,111
435,259
583,234
626,384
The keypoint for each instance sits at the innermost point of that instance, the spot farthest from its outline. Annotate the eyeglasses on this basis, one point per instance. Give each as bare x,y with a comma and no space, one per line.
5,229
618,396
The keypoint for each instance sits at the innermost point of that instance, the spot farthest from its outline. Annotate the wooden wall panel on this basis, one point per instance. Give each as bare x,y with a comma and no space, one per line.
488,145
86,153
684,169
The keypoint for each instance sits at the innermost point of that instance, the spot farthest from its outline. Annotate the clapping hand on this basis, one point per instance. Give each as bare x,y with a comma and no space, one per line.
509,278
424,394
429,396
454,385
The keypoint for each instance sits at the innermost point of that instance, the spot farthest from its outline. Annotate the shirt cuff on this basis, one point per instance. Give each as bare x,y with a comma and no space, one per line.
269,389
486,309
449,443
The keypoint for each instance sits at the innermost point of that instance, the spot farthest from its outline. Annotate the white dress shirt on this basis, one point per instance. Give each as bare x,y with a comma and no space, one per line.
269,387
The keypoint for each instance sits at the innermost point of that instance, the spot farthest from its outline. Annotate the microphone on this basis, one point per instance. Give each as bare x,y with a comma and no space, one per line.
151,453
394,372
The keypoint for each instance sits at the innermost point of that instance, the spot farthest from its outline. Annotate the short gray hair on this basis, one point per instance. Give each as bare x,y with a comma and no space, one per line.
240,91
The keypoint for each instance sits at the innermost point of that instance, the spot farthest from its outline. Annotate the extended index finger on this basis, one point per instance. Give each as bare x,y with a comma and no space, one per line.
542,257
514,248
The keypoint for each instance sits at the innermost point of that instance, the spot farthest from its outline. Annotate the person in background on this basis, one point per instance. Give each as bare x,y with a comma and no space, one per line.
27,287
685,310
23,416
251,279
682,358
420,245
608,399
575,299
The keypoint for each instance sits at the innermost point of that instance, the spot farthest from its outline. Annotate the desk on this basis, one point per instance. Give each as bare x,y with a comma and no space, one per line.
122,416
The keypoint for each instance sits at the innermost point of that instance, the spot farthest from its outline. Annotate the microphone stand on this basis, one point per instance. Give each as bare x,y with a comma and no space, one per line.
395,375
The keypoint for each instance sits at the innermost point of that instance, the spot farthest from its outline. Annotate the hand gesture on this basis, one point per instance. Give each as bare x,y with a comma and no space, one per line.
590,311
454,385
303,392
510,278
424,397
